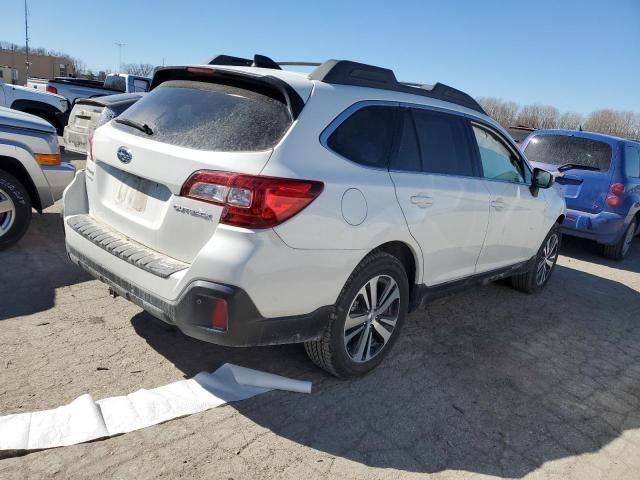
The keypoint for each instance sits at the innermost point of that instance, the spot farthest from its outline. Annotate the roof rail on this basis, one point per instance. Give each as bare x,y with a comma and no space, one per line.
346,72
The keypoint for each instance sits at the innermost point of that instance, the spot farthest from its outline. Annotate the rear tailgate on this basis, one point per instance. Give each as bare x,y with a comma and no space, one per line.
82,121
137,177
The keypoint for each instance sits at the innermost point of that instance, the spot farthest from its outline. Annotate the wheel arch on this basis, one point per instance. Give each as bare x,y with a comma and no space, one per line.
17,169
405,255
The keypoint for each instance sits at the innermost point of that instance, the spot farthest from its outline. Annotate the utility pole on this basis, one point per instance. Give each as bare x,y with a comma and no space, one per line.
119,45
26,35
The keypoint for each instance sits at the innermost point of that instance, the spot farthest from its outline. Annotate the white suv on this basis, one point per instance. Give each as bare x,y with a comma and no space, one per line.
249,205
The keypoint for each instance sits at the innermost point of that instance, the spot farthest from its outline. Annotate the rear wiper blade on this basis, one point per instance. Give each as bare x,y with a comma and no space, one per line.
143,127
570,166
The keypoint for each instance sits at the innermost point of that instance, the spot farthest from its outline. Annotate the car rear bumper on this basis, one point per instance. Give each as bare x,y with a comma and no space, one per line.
192,311
603,227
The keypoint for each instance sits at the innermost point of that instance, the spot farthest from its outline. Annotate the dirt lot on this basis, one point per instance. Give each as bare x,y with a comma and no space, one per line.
487,383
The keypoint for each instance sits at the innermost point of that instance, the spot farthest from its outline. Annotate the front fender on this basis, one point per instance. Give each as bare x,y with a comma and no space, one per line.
25,157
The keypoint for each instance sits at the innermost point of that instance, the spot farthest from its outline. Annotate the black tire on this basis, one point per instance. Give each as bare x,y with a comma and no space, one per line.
331,351
531,281
17,221
620,249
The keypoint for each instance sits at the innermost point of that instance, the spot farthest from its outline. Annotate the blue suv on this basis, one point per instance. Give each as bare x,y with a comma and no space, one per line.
599,176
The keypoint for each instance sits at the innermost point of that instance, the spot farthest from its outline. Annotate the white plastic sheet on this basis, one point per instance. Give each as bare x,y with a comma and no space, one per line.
85,419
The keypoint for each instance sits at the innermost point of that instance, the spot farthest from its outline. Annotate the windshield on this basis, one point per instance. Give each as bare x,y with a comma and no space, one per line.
563,149
209,116
116,83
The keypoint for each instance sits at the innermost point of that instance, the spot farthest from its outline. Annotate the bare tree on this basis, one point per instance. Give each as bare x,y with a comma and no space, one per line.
502,112
78,65
570,121
539,116
611,122
142,69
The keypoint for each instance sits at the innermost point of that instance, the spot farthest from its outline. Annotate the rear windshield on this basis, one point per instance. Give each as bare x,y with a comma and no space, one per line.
209,116
116,83
562,149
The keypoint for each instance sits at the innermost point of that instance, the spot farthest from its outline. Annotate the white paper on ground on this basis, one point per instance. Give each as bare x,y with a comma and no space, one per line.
84,419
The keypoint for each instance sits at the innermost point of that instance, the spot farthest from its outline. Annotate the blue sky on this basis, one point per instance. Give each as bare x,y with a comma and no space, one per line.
576,55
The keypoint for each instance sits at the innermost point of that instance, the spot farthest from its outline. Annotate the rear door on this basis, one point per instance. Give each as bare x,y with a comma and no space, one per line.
585,184
444,202
516,216
135,181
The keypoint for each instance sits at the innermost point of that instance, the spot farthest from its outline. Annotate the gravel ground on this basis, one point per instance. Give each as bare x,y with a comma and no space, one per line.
487,383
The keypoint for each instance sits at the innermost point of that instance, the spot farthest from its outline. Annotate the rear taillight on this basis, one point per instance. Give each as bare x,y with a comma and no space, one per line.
617,188
252,201
613,201
90,152
51,89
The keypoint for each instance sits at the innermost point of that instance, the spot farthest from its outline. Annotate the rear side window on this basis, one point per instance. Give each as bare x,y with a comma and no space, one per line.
443,143
365,137
564,149
140,85
209,116
632,162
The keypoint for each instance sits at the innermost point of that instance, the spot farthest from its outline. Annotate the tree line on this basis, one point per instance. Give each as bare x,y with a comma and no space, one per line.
624,124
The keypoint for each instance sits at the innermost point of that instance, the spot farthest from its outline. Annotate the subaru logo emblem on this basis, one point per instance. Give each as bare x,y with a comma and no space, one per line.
124,155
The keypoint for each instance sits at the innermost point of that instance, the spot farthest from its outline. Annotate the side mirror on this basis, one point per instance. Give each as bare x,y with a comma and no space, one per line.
540,179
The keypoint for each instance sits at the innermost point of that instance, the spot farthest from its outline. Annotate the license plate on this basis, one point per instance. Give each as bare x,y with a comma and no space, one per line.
132,193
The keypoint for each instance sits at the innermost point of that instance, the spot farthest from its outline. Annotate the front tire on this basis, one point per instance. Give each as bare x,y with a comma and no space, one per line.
366,319
542,267
15,210
620,249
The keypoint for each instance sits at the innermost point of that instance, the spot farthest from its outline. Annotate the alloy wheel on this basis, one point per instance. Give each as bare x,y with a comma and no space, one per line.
7,212
547,260
371,318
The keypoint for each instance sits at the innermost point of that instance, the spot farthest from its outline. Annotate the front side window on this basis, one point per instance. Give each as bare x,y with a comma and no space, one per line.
365,137
632,162
499,162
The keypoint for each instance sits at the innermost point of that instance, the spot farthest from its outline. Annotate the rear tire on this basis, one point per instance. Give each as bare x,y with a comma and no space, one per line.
374,302
15,210
542,267
620,249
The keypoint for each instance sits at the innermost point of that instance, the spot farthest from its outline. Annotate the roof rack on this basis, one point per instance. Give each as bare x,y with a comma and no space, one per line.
346,72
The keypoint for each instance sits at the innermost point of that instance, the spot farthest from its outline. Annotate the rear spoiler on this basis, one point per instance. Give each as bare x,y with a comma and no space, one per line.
230,77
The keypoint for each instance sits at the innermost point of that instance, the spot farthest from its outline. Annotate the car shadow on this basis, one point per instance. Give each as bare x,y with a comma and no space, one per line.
589,251
31,270
490,381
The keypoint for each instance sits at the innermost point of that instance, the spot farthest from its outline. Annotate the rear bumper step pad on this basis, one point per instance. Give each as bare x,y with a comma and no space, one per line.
125,248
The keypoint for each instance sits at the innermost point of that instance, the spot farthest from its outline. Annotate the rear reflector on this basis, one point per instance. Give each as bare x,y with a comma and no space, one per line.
51,89
252,201
48,159
617,188
613,201
219,315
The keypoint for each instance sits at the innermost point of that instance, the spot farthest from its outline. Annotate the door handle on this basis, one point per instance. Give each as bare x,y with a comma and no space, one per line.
498,204
422,201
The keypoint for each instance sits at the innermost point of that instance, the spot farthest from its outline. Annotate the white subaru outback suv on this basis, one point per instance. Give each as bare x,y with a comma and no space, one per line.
248,205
